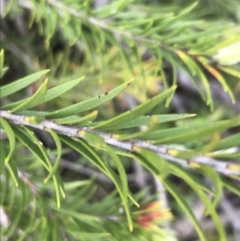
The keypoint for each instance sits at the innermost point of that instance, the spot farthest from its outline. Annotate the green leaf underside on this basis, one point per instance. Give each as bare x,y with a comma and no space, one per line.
144,120
21,83
88,104
182,134
137,111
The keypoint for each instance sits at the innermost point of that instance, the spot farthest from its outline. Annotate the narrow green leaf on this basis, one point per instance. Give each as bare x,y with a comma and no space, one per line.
106,202
1,60
78,119
21,83
159,164
175,67
11,137
222,81
180,199
137,111
209,206
13,171
51,22
45,222
11,191
185,175
170,20
196,70
4,187
18,211
88,104
85,150
152,126
218,186
2,157
59,90
31,220
33,114
137,54
58,158
29,143
80,216
107,10
145,120
59,187
230,185
3,72
122,53
206,85
93,139
183,134
83,196
50,95
118,185
69,186
148,165
228,142
57,192
34,100
124,182
86,235
231,71
225,154
56,229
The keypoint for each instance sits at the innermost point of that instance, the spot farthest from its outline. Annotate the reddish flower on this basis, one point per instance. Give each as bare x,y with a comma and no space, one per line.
151,213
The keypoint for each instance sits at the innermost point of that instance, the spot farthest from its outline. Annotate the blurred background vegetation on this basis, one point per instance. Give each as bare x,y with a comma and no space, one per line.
158,44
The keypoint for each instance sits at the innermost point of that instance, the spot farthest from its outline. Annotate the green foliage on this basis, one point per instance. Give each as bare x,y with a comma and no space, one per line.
77,113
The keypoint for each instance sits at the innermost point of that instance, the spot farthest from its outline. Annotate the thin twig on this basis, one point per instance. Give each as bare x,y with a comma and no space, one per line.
223,167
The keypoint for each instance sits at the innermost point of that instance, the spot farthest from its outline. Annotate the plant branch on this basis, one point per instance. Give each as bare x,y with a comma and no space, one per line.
220,166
